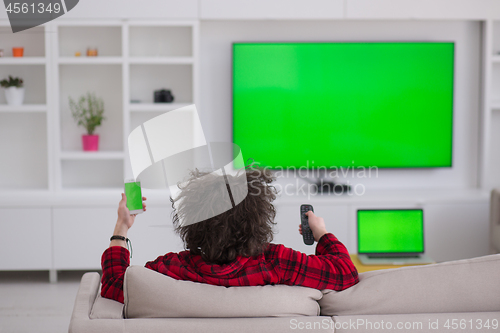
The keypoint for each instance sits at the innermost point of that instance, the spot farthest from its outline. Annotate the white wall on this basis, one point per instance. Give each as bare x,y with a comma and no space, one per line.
216,38
284,9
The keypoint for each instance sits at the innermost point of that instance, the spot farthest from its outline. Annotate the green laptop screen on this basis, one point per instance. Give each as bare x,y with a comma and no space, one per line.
390,231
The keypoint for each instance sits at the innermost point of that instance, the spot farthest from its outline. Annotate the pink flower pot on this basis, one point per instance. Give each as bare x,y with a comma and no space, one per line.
90,142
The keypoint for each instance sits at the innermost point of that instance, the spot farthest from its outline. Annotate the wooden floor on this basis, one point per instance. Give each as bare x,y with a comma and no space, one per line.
29,303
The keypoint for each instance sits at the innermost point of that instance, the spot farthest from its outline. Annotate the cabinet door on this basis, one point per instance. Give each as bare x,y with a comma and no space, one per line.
152,235
81,235
25,239
288,220
456,231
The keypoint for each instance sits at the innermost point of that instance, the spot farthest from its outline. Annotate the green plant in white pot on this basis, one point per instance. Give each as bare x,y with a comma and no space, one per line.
14,90
88,112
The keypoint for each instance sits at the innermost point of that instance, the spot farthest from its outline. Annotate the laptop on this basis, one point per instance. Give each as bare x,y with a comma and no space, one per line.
391,237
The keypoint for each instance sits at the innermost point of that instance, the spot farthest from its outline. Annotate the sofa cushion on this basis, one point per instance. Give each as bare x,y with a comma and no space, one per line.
149,294
469,285
105,308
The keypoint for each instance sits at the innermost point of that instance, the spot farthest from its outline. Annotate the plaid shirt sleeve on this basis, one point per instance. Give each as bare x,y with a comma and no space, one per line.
114,263
330,268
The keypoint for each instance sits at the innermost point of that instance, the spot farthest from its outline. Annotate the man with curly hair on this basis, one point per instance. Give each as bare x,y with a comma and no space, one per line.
233,248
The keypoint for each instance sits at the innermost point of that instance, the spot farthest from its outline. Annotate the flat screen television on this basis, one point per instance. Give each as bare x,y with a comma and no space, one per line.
344,104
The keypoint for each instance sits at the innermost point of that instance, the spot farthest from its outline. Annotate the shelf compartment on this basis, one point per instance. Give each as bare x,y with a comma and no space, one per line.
185,128
33,41
92,155
495,105
157,107
496,39
161,41
92,174
138,118
494,152
23,147
145,79
23,108
106,82
34,82
84,60
495,83
107,40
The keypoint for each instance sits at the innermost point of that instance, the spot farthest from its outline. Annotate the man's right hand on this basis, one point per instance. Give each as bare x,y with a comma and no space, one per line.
317,225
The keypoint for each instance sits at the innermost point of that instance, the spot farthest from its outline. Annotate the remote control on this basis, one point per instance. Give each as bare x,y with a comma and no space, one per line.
307,234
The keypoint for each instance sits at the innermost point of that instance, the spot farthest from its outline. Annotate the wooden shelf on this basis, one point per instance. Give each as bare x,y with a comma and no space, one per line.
161,60
24,108
23,61
89,60
158,107
92,155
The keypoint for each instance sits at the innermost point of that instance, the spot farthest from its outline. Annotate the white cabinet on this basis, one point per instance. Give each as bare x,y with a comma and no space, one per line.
152,235
25,239
288,219
456,231
81,235
453,229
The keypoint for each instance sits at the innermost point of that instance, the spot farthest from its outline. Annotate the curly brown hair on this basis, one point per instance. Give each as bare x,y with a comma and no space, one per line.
244,230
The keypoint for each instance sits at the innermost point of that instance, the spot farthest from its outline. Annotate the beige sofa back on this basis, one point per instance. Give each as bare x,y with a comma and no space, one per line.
470,285
149,294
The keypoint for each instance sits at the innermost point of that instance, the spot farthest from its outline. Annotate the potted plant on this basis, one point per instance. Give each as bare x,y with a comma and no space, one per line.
14,90
88,112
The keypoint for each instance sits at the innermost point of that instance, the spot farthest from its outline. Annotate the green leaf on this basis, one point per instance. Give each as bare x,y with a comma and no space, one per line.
88,111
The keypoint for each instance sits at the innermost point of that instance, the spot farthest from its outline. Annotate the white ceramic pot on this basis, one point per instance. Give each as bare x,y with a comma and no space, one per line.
14,95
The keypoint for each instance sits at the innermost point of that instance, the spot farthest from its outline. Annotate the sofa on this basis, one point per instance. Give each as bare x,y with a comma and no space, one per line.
454,296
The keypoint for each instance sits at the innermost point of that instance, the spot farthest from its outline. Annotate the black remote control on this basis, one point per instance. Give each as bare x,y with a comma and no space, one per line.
307,234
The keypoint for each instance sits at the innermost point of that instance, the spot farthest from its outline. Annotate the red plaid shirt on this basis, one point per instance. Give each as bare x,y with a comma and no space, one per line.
330,268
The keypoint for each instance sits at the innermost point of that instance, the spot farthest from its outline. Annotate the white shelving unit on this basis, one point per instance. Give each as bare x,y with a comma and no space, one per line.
25,143
43,165
134,59
490,152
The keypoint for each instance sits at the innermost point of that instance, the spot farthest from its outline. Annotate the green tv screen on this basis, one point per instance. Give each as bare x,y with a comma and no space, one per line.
391,231
375,104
